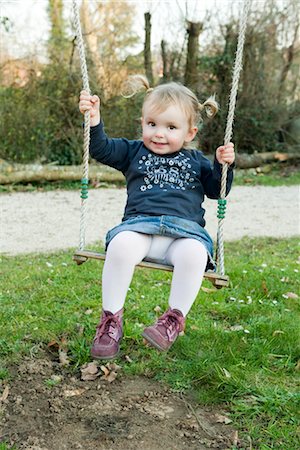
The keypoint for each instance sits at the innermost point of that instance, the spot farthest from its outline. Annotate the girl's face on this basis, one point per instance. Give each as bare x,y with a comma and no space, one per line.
165,132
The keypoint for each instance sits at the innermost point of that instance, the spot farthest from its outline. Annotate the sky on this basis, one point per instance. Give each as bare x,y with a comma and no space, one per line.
29,21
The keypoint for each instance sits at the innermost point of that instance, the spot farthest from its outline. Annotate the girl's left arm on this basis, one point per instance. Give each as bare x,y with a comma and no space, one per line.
211,176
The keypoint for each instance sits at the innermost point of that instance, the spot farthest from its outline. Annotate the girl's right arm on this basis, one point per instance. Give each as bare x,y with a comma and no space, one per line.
115,153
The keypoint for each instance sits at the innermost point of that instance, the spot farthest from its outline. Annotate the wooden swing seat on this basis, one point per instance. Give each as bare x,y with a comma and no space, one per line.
219,281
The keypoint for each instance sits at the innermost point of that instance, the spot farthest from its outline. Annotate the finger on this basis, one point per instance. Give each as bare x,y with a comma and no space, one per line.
85,107
95,99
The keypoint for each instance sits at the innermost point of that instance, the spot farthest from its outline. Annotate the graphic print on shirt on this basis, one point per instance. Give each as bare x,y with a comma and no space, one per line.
174,173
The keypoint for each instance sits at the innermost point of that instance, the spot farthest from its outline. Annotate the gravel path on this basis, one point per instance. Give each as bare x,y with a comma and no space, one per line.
48,221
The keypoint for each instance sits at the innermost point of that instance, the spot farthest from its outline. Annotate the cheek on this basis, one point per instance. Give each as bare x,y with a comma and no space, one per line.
145,133
176,137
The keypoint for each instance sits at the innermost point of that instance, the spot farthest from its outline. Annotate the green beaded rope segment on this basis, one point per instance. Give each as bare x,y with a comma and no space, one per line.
221,208
84,188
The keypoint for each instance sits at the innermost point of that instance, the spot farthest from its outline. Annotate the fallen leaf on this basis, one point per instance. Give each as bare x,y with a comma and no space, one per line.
276,332
4,394
157,309
80,329
110,371
236,328
226,373
111,377
113,366
292,295
222,419
264,287
208,290
88,312
105,370
56,378
53,345
235,438
73,392
89,372
63,358
128,359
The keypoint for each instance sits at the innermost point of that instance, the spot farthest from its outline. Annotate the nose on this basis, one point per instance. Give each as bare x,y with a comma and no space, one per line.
159,133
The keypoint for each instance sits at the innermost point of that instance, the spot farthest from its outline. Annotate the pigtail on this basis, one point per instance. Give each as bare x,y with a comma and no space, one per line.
135,84
210,106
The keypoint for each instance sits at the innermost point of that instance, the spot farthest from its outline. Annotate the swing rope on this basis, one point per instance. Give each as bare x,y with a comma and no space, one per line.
86,135
228,131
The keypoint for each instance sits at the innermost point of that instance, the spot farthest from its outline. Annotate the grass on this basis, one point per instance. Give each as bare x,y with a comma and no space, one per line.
271,175
241,346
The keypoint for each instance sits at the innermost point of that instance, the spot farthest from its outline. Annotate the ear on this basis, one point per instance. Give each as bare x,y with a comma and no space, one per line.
191,134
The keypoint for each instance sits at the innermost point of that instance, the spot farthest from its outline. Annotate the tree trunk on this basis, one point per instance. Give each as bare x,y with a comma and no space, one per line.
57,40
164,60
290,53
91,39
191,74
147,48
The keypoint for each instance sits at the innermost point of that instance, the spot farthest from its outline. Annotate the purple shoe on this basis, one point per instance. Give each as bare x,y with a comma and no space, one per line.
166,330
108,335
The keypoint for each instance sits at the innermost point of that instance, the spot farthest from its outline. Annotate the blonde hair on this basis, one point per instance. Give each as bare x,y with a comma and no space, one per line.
164,95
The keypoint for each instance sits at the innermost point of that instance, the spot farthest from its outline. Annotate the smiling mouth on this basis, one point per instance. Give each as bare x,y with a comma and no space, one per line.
159,143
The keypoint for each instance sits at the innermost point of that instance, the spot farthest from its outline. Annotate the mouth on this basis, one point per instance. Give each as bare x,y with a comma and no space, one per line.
159,144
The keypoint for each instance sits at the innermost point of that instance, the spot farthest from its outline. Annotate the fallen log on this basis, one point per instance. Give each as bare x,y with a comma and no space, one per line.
245,161
28,173
23,173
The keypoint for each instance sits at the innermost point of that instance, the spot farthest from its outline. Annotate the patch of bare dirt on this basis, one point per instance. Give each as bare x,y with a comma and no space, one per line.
126,414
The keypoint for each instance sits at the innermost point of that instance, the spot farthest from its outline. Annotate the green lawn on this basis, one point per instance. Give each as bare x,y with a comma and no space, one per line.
240,349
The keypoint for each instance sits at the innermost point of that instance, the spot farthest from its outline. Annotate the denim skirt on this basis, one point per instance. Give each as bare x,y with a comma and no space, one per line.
170,226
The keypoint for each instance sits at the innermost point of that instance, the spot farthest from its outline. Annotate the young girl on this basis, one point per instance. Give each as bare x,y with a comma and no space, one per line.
164,218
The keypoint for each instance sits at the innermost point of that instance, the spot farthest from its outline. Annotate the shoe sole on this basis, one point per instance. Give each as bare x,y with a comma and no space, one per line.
153,343
106,358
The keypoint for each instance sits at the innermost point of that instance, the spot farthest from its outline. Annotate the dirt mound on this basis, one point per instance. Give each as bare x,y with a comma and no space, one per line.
46,409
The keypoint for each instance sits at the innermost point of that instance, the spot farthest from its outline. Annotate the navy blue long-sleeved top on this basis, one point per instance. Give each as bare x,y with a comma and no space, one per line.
172,185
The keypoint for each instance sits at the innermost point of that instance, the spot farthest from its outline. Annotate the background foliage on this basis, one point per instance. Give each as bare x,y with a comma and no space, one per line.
40,118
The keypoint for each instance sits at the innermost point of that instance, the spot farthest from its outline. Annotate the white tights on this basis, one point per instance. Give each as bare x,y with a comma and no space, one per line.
129,248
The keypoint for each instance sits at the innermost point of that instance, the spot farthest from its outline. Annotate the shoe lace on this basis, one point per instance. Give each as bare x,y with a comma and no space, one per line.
108,326
171,322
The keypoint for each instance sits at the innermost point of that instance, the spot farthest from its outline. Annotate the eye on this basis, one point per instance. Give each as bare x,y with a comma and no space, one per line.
172,127
151,124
